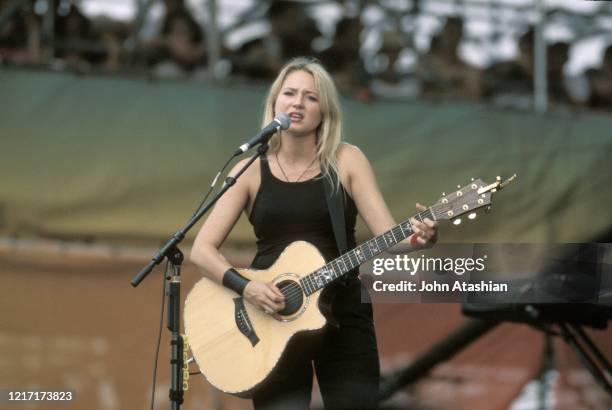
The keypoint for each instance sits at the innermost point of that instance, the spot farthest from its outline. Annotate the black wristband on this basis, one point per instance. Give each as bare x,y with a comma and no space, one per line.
234,281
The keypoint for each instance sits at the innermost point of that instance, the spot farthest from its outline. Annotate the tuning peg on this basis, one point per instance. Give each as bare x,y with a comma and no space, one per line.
458,186
471,179
457,221
498,178
472,215
488,209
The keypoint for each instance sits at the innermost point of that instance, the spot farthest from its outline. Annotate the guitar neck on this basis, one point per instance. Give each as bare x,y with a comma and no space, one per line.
343,264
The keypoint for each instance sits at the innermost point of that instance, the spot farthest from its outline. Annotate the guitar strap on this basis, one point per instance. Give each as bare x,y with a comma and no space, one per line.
335,204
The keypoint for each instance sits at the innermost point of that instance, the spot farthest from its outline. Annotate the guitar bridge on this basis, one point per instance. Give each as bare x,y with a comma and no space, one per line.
243,322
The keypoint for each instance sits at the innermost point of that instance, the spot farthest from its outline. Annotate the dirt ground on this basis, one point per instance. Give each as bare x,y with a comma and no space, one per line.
72,321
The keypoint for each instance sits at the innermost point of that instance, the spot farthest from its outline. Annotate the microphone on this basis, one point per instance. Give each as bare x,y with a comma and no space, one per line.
281,121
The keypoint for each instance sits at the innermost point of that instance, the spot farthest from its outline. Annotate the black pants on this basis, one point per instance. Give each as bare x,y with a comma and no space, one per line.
345,361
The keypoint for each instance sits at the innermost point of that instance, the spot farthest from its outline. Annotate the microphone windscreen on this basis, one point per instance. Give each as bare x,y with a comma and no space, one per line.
284,120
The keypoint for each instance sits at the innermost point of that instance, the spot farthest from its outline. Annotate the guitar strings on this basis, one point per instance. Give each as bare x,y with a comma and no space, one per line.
297,290
294,294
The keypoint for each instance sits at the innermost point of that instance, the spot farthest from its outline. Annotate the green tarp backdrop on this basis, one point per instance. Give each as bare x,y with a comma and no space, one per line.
109,158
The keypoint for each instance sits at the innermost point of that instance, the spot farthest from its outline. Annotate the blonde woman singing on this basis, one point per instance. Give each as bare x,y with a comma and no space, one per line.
284,198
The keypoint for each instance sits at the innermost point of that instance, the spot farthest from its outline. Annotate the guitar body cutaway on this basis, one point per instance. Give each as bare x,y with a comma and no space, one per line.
235,344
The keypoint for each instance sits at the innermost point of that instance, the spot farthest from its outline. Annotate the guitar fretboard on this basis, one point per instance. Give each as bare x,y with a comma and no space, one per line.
343,264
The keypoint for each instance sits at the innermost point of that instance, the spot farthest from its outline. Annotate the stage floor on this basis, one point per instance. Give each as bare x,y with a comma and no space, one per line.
72,321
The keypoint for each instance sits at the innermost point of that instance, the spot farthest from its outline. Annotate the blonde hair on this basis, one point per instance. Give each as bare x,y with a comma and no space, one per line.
329,132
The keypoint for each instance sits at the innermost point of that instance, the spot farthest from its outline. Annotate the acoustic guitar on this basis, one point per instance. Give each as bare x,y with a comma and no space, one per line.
237,346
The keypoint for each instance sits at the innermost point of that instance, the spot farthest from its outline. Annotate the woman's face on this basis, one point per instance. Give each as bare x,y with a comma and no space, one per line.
300,100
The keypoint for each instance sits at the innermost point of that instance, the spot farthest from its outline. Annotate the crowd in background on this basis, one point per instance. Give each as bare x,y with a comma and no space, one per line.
174,45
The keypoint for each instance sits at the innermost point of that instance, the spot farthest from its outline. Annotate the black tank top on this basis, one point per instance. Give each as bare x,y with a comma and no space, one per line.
284,212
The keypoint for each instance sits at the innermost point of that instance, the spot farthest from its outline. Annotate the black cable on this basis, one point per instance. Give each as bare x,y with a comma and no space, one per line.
161,321
212,186
159,335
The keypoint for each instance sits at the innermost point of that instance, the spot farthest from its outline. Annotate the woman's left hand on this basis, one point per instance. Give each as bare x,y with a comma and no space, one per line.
426,232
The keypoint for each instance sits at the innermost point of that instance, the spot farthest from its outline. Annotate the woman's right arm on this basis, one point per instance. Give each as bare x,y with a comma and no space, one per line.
205,252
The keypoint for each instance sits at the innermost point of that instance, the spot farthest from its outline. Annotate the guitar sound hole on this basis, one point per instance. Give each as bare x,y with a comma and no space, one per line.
293,296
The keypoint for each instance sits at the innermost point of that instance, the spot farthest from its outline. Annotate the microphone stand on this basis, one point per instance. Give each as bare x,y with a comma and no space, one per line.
173,287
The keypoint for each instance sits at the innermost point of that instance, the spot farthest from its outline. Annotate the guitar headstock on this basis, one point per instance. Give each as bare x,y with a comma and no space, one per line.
467,199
